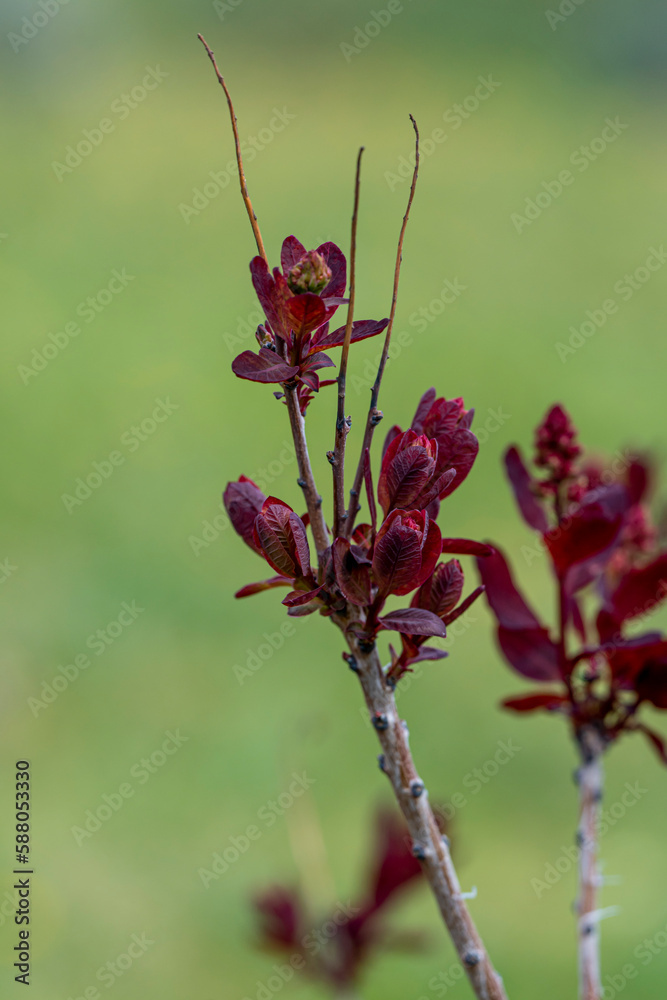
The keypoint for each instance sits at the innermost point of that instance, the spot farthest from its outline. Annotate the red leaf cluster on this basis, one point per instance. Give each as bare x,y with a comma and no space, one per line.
596,529
299,299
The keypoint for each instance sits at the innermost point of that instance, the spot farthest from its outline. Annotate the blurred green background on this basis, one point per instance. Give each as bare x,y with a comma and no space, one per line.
170,333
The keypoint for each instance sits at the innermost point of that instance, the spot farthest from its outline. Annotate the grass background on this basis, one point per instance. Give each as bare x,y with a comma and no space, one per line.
167,335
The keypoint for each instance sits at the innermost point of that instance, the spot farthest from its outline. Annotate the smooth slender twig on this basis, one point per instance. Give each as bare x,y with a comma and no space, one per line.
337,458
239,159
375,415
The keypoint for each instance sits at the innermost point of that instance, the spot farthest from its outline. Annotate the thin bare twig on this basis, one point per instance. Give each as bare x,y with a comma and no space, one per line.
337,458
588,935
375,415
239,159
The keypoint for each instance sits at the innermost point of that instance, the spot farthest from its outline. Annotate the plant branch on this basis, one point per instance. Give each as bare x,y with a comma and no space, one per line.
306,479
375,415
239,159
588,934
428,843
337,458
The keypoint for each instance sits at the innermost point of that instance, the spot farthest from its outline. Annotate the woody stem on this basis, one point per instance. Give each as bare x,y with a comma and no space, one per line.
429,845
313,499
590,795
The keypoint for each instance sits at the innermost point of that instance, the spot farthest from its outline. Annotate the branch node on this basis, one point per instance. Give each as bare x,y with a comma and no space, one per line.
416,788
380,721
419,851
351,662
381,763
376,417
471,958
302,483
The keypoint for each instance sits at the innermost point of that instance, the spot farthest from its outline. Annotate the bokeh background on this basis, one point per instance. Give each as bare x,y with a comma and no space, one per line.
153,532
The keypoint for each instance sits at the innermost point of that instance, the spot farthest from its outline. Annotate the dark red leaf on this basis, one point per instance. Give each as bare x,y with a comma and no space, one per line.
534,702
361,330
392,433
442,591
370,493
407,467
352,573
265,289
466,547
263,367
316,361
243,501
296,598
414,621
257,588
522,484
291,253
588,531
406,551
531,652
651,682
640,590
335,259
506,602
305,313
423,408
